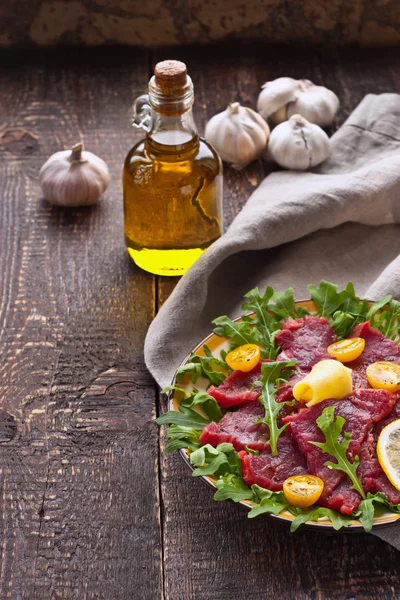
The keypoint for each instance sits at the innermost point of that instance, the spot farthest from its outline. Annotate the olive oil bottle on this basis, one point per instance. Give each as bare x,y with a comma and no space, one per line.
172,180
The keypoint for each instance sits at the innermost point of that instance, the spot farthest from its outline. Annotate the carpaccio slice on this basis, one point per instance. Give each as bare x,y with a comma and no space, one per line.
304,339
360,410
271,471
238,428
377,348
370,472
236,388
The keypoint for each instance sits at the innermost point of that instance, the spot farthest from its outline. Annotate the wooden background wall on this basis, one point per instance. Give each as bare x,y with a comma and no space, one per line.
175,22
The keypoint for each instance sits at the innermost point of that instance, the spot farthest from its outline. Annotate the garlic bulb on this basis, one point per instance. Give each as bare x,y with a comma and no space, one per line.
298,144
284,97
238,134
74,177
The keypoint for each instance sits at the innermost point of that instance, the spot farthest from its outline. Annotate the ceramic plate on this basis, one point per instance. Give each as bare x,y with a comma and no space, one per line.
216,344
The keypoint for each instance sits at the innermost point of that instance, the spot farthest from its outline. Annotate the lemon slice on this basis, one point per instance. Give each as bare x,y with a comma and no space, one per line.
388,450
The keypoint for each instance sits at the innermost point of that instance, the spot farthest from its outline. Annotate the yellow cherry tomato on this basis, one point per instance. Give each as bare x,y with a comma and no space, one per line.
244,358
347,350
303,490
384,376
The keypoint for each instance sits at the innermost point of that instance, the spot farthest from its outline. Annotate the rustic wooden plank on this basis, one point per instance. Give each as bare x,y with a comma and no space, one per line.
212,551
79,503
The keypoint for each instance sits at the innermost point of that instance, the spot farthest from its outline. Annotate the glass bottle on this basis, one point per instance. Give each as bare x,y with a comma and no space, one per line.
172,180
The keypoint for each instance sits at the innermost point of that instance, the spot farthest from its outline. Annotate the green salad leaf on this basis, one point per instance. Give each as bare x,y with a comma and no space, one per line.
215,461
326,298
366,510
209,404
208,366
267,502
266,324
272,373
180,437
317,512
232,487
237,332
185,417
185,423
345,310
332,430
283,305
224,463
387,318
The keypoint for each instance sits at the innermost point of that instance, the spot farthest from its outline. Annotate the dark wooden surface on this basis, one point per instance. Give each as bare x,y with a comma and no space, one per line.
90,508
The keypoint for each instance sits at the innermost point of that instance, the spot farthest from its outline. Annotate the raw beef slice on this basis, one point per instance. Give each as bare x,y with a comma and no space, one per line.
238,428
236,388
370,472
271,471
306,340
360,410
377,348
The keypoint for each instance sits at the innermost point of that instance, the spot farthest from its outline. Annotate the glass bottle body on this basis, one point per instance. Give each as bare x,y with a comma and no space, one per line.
172,184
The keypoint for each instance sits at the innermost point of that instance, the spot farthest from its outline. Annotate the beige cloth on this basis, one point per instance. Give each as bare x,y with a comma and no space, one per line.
339,222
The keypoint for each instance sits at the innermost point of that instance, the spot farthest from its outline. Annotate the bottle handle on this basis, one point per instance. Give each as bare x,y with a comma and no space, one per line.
142,113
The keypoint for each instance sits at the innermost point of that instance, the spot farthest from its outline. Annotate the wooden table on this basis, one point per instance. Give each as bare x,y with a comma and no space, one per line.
90,506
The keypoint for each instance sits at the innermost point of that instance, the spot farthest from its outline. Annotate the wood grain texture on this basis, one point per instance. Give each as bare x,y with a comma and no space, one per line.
80,514
211,550
79,502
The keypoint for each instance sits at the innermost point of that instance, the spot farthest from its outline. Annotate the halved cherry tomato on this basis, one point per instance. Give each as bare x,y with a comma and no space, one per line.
384,376
244,358
347,350
303,490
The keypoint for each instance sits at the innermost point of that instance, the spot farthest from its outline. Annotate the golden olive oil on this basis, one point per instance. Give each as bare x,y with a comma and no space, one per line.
172,182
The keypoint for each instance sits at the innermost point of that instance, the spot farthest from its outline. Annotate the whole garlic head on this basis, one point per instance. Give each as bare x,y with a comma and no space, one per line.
298,144
284,97
238,134
74,177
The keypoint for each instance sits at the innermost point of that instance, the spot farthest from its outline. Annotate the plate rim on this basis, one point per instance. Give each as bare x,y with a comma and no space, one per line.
321,525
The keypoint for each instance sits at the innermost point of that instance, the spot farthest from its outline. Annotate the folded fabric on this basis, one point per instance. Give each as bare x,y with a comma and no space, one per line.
339,221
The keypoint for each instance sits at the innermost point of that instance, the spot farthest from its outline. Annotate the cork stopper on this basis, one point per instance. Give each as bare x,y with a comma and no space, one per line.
170,74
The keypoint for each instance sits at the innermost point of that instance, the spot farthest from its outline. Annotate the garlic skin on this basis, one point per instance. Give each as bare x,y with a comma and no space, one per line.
285,97
238,134
298,144
74,177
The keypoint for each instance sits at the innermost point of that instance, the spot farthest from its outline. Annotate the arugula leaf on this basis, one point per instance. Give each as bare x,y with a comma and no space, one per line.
232,487
283,305
210,405
272,373
267,502
185,417
238,333
316,512
251,451
365,513
169,388
215,461
208,366
262,320
387,320
182,437
186,423
344,309
326,298
366,510
332,429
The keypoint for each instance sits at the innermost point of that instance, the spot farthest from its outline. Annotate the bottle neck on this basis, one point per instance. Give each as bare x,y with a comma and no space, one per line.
172,132
166,116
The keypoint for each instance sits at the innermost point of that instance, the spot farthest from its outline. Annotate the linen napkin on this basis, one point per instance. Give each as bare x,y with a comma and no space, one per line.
339,221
